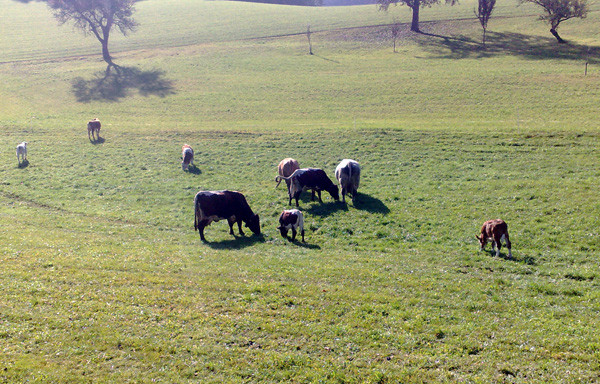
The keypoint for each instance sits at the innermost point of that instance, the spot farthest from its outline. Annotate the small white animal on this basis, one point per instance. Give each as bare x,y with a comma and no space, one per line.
22,152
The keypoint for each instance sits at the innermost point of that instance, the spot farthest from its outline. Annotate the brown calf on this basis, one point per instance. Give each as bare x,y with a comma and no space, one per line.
494,231
93,126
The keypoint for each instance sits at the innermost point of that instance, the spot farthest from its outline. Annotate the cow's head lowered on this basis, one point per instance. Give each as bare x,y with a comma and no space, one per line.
334,191
253,223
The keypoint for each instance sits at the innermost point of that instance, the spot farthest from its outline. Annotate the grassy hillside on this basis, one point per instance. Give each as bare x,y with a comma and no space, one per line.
104,280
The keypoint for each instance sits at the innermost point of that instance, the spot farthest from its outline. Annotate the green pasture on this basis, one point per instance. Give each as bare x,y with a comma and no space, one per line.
103,279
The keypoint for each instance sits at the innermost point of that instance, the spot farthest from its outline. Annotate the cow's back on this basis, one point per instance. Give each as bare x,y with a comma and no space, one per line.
287,166
221,204
313,178
94,124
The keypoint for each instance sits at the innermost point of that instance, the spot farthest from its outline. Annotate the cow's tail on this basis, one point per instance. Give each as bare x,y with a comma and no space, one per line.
279,178
196,220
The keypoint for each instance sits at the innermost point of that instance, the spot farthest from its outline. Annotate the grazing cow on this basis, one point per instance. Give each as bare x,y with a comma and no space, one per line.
93,126
22,152
212,206
310,178
347,174
187,156
494,231
285,168
291,219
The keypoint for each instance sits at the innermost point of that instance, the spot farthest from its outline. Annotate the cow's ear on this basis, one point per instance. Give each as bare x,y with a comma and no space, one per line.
478,238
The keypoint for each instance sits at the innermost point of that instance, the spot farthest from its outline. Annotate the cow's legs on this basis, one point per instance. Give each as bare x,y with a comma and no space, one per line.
201,227
344,191
312,195
498,243
319,193
240,227
508,245
230,221
297,196
293,233
302,234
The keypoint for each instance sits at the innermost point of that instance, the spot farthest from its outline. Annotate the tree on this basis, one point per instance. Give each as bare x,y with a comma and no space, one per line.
96,17
483,13
415,5
557,11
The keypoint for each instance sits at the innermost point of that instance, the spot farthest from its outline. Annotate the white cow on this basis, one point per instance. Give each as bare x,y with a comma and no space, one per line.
347,174
22,152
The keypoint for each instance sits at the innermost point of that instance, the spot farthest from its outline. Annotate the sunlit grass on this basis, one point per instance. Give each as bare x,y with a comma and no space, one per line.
104,279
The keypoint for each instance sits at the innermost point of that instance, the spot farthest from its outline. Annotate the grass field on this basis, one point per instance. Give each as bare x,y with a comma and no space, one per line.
103,279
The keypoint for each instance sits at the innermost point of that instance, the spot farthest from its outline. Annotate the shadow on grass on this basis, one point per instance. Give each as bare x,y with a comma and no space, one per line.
529,260
326,209
194,170
238,242
500,43
23,164
370,204
99,140
301,244
117,83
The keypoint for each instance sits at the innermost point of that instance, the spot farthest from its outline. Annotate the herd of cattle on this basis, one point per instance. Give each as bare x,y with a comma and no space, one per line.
232,206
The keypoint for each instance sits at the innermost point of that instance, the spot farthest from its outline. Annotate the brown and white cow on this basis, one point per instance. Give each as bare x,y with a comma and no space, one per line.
93,126
212,206
187,157
347,174
285,168
291,219
495,231
314,179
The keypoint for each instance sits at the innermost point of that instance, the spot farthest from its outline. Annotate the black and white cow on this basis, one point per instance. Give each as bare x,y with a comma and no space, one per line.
291,219
212,206
314,179
347,174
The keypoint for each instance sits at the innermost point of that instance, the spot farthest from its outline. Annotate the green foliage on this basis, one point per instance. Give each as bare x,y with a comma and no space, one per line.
104,280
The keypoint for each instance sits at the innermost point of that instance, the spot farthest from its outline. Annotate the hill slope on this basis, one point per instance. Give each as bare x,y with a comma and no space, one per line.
104,279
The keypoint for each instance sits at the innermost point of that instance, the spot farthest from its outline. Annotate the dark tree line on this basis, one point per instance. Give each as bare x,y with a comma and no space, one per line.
311,3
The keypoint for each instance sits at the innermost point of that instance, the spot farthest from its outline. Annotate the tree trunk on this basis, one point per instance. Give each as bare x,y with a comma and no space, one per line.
484,30
105,53
555,34
414,26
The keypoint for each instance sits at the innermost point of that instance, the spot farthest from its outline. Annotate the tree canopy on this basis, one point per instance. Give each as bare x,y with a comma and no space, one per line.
557,11
415,5
96,17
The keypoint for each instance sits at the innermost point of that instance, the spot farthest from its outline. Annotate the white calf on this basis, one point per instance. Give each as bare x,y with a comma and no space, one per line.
22,152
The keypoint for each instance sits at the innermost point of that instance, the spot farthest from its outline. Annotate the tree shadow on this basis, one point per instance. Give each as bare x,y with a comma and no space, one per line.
119,83
238,242
500,43
370,204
